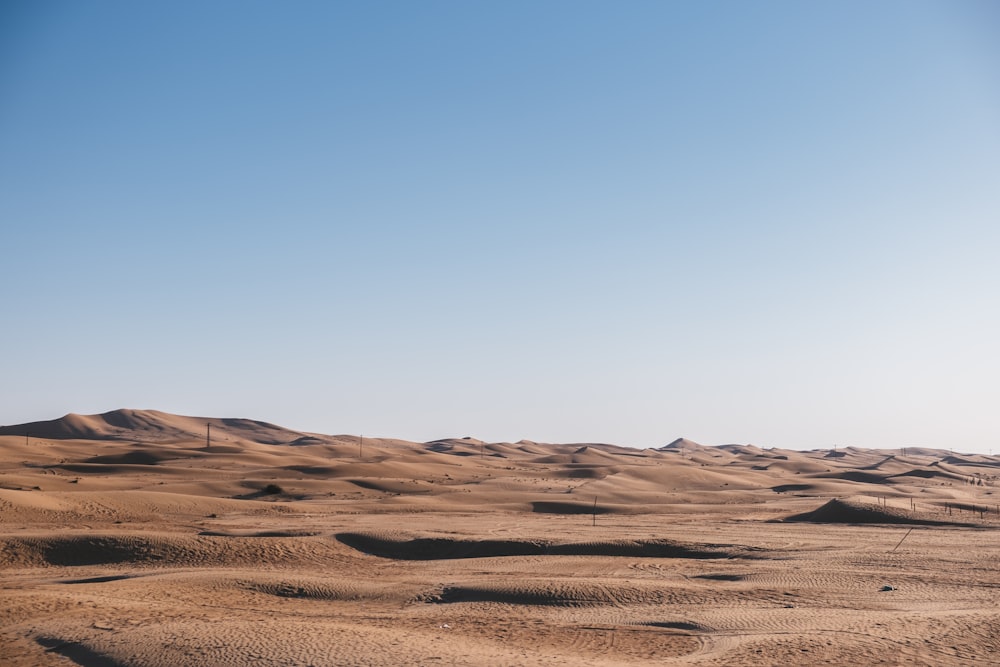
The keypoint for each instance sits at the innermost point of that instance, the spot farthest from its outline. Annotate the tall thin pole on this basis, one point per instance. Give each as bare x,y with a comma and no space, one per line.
361,442
901,541
208,436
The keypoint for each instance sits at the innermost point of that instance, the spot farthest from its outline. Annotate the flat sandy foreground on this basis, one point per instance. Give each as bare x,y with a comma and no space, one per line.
124,540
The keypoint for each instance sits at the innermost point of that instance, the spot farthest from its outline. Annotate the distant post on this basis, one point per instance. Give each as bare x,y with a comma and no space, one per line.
361,442
595,511
208,436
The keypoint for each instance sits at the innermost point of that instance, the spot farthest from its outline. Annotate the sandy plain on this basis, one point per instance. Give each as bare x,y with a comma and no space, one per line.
127,539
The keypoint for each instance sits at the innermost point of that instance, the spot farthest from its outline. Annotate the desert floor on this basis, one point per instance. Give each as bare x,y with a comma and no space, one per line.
138,538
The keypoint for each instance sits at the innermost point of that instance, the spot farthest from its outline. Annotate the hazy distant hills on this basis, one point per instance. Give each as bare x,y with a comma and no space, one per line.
154,426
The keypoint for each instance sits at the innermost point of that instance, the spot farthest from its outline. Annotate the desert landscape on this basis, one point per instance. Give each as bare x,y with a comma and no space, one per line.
150,539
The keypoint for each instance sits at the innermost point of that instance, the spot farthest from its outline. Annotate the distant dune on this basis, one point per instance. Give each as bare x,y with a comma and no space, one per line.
151,425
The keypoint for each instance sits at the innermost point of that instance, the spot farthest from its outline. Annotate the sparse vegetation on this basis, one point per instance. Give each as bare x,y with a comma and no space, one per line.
272,490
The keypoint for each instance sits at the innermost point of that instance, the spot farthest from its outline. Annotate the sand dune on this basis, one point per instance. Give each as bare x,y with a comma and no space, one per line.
155,426
128,539
847,511
443,548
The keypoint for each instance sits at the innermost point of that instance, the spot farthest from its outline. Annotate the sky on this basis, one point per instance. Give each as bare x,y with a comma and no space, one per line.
774,223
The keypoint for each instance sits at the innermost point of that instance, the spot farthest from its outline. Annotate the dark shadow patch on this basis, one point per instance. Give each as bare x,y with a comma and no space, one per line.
365,484
100,580
221,449
978,462
392,486
431,548
784,488
556,507
262,533
144,458
855,476
677,625
585,472
306,440
721,577
439,548
878,465
78,653
99,468
325,471
270,491
99,551
458,594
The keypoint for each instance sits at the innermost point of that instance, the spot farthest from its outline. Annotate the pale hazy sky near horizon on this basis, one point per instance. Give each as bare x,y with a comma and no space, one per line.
774,223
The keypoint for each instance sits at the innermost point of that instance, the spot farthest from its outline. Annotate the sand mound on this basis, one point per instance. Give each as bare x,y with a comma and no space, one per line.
156,426
326,589
163,550
568,593
682,444
443,548
845,511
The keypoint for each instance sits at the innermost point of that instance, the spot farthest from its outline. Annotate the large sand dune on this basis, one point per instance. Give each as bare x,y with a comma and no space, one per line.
130,538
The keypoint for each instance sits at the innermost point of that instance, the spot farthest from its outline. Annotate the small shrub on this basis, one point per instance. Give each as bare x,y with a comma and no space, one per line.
273,489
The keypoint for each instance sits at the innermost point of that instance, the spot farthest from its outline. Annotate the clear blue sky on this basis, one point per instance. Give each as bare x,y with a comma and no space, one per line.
774,223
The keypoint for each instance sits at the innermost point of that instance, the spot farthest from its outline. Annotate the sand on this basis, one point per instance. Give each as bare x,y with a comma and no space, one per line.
124,540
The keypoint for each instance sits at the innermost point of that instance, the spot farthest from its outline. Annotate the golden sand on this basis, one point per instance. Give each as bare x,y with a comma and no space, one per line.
124,540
